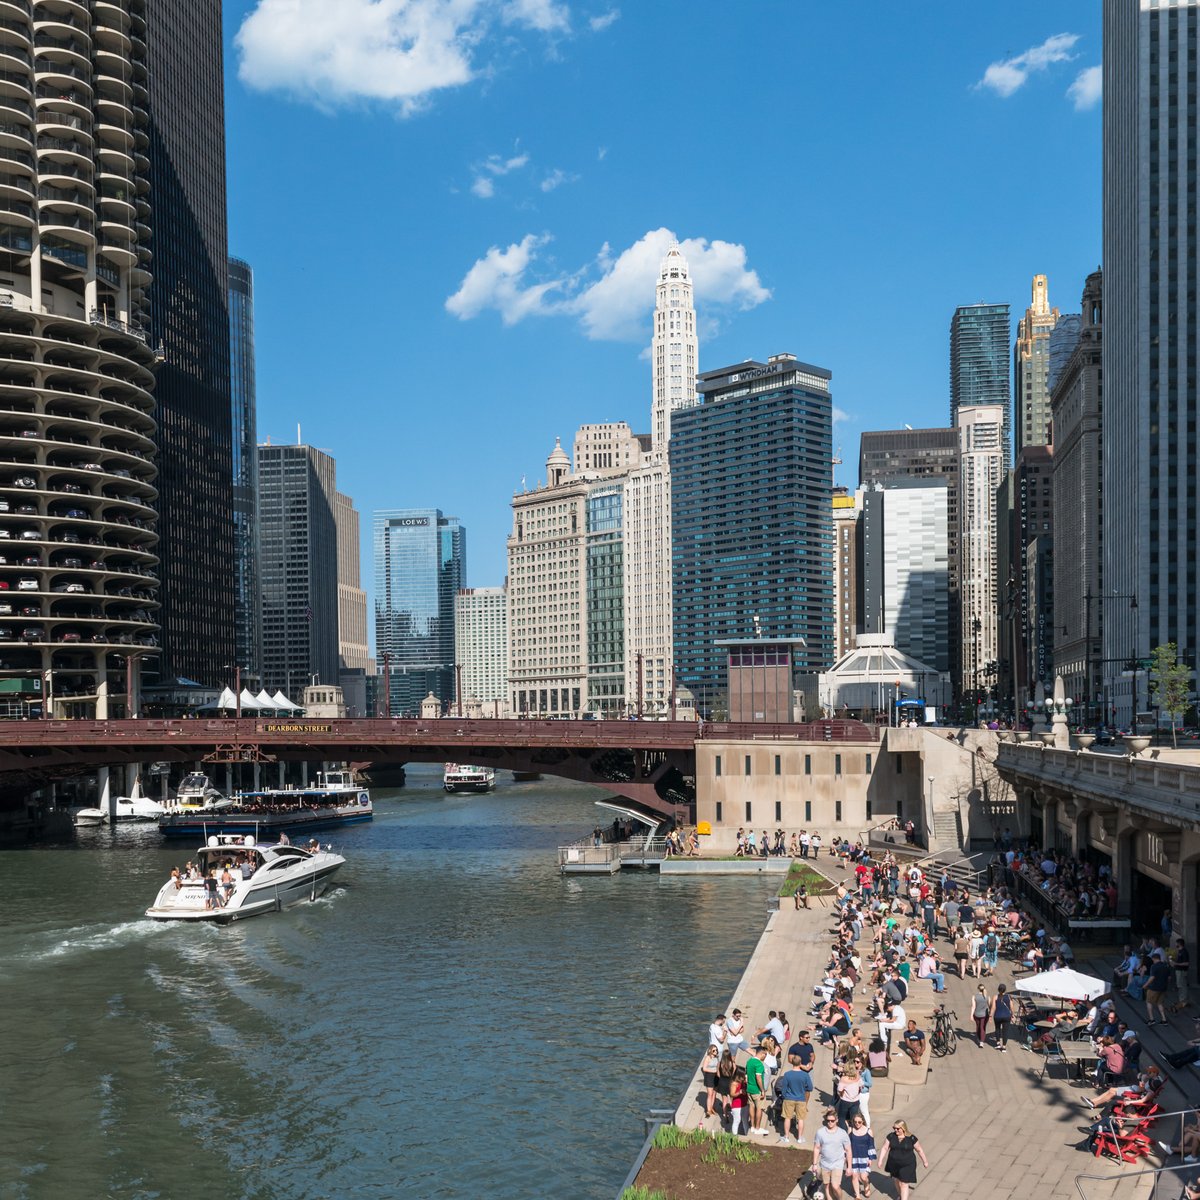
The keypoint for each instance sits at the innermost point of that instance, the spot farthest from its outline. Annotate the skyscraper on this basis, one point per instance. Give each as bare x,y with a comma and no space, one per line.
1031,369
297,486
674,348
420,565
248,588
189,319
78,423
354,651
981,469
1150,415
752,530
1079,607
979,341
481,647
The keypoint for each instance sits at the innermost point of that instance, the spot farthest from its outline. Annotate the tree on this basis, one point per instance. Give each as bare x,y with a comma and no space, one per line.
1171,684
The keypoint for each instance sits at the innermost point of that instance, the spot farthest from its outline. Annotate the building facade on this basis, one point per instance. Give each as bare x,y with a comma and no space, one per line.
1150,359
354,651
604,599
297,486
81,485
905,567
1031,368
420,566
846,514
1077,406
981,470
979,356
547,595
188,315
751,520
481,646
247,587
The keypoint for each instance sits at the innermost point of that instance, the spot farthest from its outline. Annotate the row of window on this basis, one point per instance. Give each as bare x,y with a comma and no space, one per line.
837,764
808,811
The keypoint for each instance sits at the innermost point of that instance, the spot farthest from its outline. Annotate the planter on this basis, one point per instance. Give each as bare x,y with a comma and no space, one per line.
1022,735
1047,738
1135,744
1084,740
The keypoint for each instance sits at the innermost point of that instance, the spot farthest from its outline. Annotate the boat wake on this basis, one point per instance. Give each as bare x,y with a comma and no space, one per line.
88,939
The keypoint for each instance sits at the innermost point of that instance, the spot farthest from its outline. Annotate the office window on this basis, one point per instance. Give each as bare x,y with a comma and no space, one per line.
718,812
868,764
718,765
778,810
749,818
778,764
747,764
808,764
868,809
899,765
837,764
837,810
807,811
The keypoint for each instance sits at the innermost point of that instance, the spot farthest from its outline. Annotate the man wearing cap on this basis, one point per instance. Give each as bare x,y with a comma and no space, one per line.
735,1033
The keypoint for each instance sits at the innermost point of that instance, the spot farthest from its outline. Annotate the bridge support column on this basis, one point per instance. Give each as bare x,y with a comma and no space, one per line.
229,779
133,780
257,776
304,773
101,687
107,801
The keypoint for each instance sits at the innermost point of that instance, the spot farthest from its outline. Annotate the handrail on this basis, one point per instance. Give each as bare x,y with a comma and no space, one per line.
1131,1175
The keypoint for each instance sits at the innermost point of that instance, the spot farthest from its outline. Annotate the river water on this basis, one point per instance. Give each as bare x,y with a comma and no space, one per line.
453,1019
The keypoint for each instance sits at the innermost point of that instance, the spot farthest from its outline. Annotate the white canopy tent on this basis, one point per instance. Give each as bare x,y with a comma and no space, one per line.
249,704
227,699
282,703
265,702
1066,984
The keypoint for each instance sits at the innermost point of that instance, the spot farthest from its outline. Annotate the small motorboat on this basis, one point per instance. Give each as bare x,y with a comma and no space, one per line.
86,817
137,808
250,877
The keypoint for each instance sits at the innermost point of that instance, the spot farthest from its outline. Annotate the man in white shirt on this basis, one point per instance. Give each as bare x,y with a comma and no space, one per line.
893,1018
717,1035
774,1027
735,1033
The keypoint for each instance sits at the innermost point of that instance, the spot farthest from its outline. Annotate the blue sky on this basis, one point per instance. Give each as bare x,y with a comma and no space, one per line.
455,209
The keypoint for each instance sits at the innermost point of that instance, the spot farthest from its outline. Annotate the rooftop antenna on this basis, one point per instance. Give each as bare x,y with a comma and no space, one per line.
299,442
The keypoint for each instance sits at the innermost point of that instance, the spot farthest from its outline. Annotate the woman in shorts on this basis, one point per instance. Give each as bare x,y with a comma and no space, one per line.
708,1072
962,951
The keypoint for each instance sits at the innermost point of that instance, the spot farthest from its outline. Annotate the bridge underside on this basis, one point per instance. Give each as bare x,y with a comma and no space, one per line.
658,781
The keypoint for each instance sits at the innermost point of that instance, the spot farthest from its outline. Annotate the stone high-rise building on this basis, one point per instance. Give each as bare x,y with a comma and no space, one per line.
1031,369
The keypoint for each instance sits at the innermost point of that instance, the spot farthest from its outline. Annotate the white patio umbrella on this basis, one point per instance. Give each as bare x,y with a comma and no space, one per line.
1067,984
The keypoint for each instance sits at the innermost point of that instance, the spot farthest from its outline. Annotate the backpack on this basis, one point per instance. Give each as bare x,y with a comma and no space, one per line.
991,943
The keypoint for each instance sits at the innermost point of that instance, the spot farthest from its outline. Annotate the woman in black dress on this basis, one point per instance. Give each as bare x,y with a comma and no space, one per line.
899,1158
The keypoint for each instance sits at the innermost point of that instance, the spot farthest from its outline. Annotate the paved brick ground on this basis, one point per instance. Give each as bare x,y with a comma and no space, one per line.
991,1129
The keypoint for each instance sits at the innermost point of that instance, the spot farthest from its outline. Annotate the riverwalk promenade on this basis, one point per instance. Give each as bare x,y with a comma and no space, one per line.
992,1129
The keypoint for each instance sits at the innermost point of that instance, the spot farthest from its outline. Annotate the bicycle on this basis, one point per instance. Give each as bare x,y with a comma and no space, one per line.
944,1039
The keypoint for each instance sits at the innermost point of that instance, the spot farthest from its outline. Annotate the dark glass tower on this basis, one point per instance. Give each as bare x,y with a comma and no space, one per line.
420,564
752,530
189,320
245,469
979,361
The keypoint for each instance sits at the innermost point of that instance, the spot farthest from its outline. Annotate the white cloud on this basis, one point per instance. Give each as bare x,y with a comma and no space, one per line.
602,22
602,154
556,179
546,16
486,172
840,415
1006,76
610,297
395,52
1087,89
495,281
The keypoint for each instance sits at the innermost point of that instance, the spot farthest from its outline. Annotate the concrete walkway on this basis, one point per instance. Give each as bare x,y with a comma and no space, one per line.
990,1128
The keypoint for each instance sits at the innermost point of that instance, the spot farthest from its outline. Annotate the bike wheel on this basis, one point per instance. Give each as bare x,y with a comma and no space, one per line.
937,1043
951,1041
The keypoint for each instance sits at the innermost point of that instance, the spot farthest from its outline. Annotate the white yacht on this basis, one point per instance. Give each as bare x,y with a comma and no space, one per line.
125,809
266,878
197,794
85,817
459,777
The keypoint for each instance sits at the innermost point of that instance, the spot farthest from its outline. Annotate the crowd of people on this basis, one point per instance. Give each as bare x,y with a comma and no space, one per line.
890,921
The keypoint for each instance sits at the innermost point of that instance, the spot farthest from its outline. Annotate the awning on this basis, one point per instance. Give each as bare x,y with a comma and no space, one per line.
1067,984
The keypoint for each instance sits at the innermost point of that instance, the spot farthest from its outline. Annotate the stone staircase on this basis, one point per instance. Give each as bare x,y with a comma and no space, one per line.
947,830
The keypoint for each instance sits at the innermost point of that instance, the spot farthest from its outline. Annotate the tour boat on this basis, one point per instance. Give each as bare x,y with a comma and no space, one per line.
460,778
333,801
267,877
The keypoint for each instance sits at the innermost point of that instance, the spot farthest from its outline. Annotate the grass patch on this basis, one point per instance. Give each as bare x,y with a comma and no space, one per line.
671,1137
641,1193
799,874
718,1146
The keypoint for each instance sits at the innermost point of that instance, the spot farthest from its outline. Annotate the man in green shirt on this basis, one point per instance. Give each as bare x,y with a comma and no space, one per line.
755,1093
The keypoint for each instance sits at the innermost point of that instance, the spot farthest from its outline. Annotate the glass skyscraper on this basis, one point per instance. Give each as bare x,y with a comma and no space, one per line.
420,565
606,600
248,599
752,530
979,361
189,320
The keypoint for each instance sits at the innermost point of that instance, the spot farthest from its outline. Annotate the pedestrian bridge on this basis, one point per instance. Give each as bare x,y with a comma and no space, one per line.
652,763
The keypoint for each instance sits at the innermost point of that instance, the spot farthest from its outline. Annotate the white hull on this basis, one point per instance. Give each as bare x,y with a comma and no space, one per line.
87,817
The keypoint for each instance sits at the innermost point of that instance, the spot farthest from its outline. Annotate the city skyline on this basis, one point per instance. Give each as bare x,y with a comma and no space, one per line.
503,189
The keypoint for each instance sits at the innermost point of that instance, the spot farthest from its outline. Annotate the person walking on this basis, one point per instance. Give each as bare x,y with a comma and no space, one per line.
1181,964
866,1080
991,951
725,1073
862,1156
737,1101
831,1149
899,1158
976,951
756,1092
962,951
849,1088
795,1087
1156,990
1001,1014
981,1009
